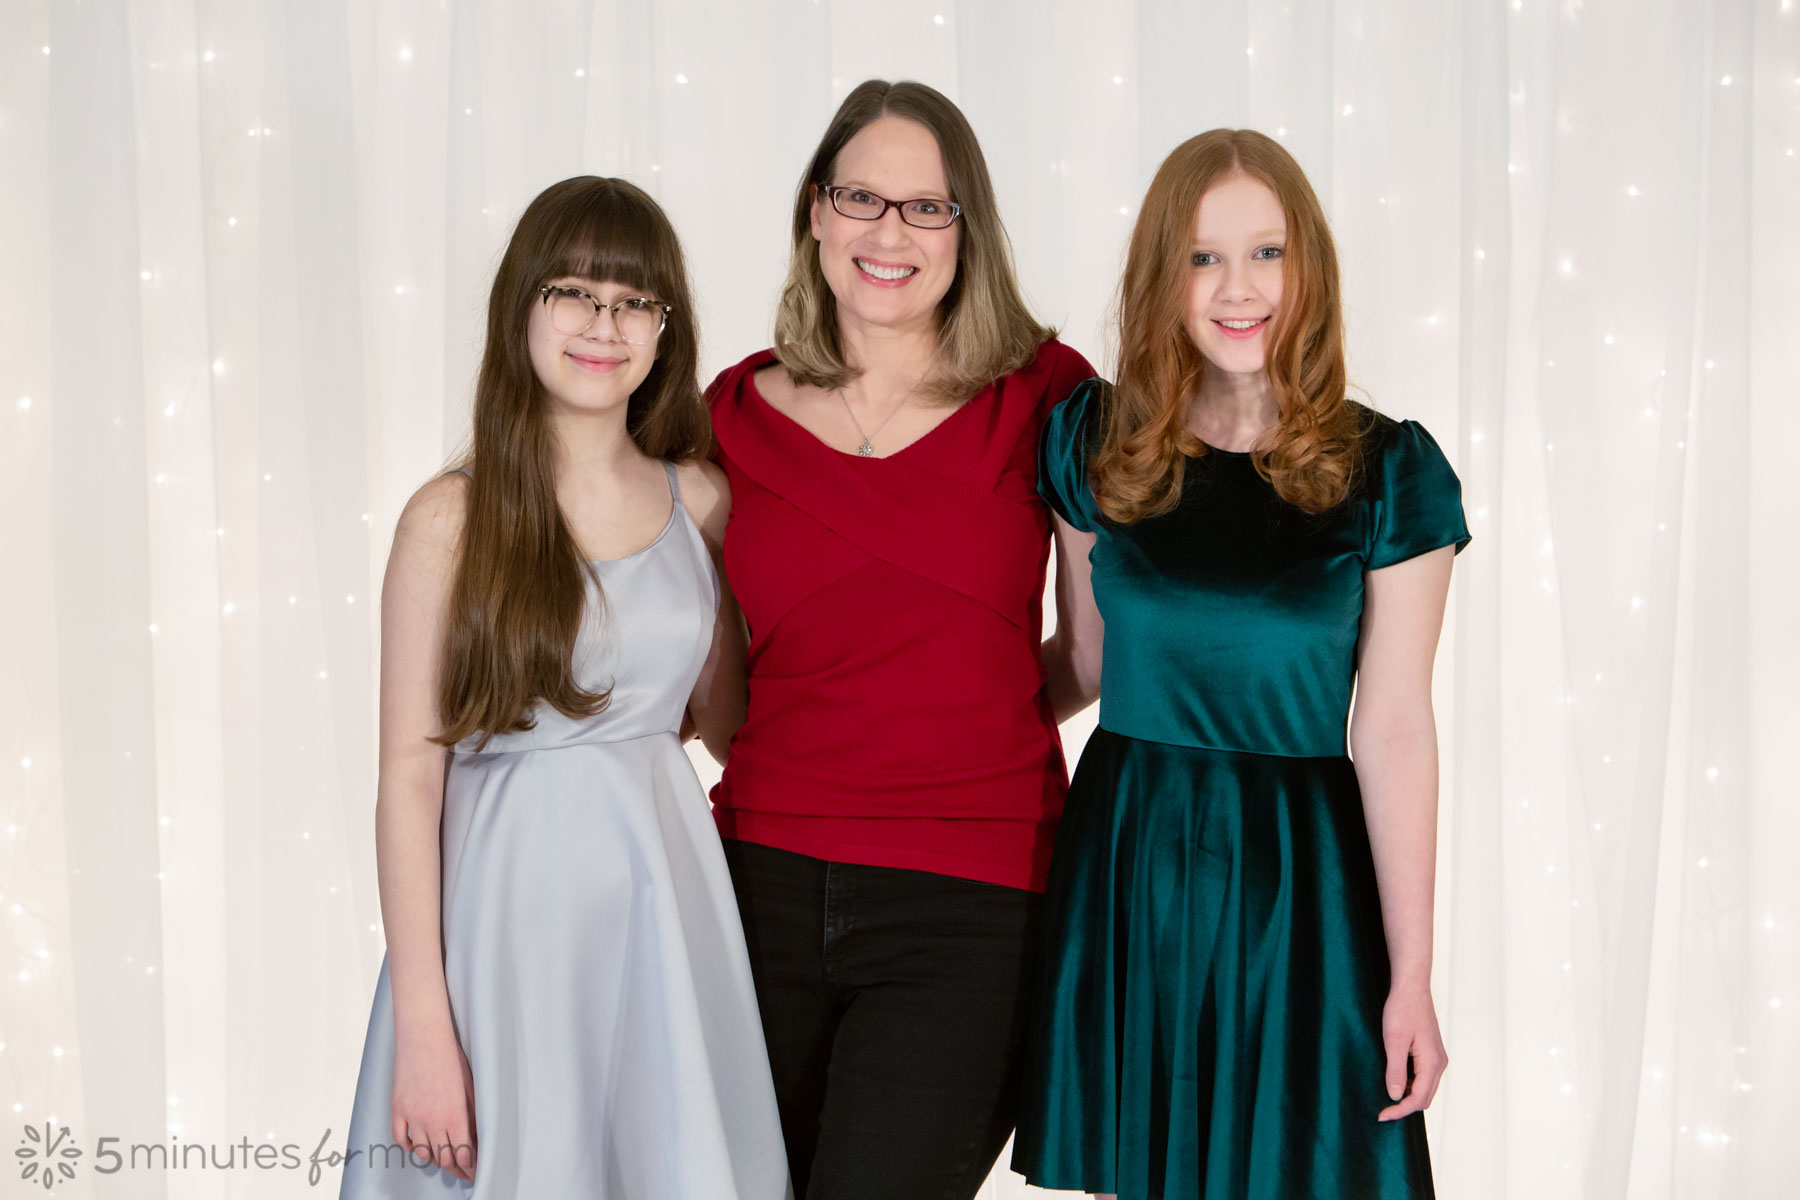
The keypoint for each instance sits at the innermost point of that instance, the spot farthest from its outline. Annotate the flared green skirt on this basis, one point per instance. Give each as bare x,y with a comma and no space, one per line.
1209,1017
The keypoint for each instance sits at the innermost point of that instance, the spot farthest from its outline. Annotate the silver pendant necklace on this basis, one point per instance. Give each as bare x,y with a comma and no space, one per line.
866,449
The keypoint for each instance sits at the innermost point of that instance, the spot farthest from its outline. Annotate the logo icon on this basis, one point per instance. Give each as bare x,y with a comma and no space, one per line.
44,1156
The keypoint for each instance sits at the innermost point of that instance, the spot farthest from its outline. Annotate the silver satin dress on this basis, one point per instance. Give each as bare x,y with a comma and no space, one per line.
595,962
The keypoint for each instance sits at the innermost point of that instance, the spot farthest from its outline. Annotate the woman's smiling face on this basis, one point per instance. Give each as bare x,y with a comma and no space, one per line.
885,272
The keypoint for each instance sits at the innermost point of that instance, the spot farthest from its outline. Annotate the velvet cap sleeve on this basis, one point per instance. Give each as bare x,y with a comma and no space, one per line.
1063,456
1416,498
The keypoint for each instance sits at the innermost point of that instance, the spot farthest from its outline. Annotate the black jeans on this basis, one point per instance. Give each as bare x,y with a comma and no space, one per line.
894,1003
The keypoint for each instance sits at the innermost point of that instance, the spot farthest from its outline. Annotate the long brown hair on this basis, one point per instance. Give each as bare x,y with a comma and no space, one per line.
985,329
516,603
1313,457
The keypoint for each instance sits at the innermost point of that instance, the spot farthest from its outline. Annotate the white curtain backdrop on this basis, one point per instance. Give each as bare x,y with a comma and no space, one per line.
246,247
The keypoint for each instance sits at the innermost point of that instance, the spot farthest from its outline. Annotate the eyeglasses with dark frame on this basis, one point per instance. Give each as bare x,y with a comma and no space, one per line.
639,319
860,204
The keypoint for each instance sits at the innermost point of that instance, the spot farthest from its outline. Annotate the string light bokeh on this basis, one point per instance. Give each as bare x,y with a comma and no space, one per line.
248,250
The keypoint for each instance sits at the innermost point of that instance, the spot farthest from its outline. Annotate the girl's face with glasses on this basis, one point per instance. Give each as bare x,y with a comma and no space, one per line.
886,272
598,368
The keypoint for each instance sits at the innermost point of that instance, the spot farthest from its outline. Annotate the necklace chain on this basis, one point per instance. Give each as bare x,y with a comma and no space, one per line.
867,447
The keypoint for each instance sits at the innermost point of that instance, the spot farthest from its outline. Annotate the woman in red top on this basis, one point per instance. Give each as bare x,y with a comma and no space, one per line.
890,803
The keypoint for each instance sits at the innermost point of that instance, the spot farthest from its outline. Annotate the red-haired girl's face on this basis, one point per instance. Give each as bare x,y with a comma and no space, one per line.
1234,296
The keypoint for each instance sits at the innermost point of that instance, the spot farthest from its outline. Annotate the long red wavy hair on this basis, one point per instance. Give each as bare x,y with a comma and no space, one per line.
1313,455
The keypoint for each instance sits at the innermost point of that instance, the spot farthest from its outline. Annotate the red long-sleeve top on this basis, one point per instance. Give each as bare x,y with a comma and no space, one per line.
898,715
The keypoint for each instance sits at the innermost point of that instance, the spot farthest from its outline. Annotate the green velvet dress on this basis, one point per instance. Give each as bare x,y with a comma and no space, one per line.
1209,1020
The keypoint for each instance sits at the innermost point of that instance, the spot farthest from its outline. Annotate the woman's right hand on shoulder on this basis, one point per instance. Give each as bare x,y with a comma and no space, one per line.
434,1104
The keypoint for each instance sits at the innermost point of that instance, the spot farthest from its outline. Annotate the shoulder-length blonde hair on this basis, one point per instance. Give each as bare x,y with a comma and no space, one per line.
1312,459
517,596
985,329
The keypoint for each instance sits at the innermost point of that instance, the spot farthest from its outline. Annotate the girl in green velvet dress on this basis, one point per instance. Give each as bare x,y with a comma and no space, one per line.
1235,1000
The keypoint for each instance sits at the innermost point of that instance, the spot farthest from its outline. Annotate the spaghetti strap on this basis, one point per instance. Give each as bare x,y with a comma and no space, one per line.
674,488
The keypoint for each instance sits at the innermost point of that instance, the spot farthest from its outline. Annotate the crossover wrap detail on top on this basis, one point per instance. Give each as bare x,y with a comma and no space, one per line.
897,707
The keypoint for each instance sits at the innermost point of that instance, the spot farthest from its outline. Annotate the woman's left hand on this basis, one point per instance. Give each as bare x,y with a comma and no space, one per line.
1409,1031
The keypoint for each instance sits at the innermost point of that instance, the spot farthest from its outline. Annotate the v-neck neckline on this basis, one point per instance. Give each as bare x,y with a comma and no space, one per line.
750,382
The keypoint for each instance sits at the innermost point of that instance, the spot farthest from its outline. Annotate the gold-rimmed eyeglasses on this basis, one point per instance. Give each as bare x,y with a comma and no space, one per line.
639,319
860,204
